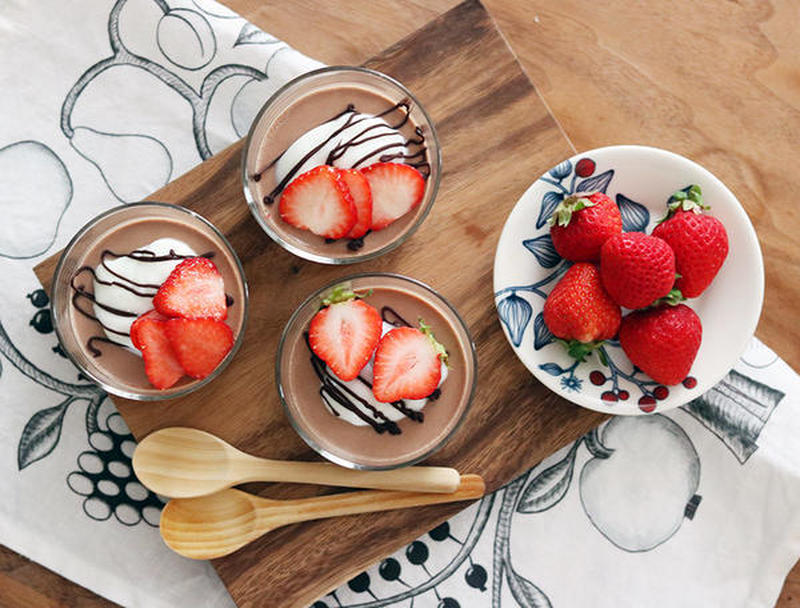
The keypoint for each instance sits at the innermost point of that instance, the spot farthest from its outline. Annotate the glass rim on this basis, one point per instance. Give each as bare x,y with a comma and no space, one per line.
167,393
339,460
253,204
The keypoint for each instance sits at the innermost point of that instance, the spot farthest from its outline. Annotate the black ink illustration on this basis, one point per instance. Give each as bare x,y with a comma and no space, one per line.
106,476
114,153
417,554
637,495
250,34
736,410
187,41
106,479
35,191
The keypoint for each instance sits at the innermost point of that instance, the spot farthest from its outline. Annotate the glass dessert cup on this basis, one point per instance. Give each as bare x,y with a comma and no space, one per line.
121,371
271,128
362,447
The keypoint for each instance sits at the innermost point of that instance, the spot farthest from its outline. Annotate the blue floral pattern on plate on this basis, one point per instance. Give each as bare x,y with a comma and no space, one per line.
519,306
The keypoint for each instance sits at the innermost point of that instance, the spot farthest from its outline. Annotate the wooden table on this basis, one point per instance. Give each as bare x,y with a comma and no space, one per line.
718,86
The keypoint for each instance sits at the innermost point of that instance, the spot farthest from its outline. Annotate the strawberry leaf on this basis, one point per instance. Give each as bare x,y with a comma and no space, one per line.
343,293
441,351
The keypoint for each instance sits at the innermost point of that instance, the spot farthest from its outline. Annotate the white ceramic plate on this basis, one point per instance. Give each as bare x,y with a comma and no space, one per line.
526,267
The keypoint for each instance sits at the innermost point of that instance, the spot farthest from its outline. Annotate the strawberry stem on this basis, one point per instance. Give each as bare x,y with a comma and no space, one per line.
441,351
673,298
563,212
688,199
343,293
580,350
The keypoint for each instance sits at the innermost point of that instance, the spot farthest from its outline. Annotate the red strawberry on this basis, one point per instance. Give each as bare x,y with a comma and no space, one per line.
396,190
699,241
345,333
662,341
161,365
319,201
582,223
637,269
362,199
137,324
580,311
407,365
199,344
194,289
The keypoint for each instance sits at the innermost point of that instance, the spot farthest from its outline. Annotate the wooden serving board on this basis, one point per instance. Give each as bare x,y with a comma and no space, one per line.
497,137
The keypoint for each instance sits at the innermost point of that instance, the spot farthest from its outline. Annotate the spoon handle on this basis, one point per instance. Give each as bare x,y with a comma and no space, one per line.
409,479
319,507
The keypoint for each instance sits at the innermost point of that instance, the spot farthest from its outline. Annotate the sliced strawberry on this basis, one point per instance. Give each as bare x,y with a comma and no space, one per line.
319,201
137,324
345,335
161,365
407,366
362,199
193,290
199,344
396,190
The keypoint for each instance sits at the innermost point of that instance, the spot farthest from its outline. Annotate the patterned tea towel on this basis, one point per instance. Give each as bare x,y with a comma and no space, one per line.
106,102
103,103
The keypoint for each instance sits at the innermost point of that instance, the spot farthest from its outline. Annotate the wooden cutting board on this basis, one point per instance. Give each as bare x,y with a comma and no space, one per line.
497,137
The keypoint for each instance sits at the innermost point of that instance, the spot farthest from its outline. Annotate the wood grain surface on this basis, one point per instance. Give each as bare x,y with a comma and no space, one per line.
486,111
603,71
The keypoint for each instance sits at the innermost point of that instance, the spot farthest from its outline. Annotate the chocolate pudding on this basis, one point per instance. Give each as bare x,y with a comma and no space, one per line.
339,419
347,118
106,278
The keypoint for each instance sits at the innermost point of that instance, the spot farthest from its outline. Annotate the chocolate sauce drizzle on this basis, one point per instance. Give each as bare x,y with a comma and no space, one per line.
145,290
417,159
334,390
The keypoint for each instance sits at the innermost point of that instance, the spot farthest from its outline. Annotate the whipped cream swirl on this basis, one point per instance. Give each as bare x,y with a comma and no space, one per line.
124,285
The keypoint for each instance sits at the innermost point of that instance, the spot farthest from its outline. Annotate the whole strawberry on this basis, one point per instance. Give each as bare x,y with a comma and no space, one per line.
580,312
582,223
662,341
699,241
637,269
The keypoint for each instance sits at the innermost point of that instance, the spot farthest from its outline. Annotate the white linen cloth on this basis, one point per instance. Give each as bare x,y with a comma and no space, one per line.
104,103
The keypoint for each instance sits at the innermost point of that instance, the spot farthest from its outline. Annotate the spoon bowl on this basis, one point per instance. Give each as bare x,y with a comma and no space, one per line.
217,524
213,526
184,463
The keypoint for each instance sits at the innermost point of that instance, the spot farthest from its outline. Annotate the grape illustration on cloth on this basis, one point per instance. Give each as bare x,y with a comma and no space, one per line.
105,476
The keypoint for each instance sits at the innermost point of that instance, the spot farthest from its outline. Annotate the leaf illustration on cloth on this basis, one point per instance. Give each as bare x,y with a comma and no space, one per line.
542,247
597,183
550,201
736,410
635,216
250,34
515,313
41,434
541,334
595,446
526,594
549,486
561,170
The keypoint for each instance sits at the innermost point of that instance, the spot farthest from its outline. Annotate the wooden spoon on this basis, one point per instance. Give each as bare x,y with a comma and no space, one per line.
212,526
183,463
